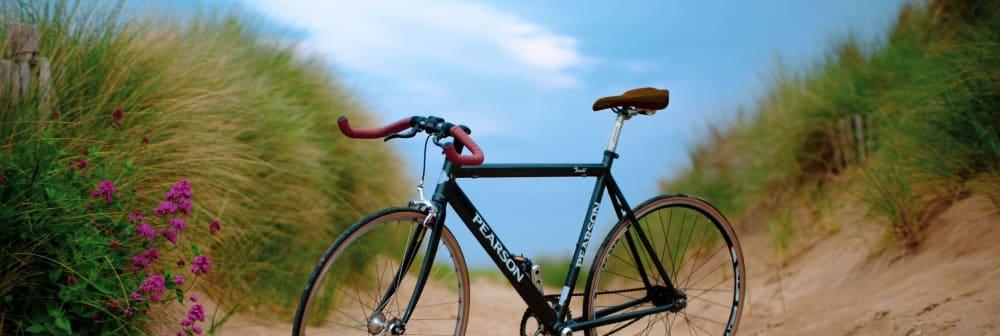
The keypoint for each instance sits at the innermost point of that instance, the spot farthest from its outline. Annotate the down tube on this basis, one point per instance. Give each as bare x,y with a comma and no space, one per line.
504,260
581,245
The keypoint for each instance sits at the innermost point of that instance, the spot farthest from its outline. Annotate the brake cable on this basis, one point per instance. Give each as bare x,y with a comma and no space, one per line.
423,170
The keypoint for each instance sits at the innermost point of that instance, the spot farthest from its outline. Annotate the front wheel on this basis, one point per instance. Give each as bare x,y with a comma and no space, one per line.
350,291
694,246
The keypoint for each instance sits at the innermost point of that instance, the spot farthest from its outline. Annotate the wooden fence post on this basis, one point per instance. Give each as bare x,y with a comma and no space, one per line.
16,74
859,136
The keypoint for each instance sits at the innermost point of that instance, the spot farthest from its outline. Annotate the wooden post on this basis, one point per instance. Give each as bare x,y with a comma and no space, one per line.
834,134
845,143
16,75
859,136
22,41
44,86
6,77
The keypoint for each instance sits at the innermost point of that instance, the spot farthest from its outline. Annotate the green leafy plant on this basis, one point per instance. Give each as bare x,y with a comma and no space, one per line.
80,261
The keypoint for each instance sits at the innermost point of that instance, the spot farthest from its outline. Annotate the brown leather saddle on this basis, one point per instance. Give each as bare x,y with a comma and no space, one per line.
646,98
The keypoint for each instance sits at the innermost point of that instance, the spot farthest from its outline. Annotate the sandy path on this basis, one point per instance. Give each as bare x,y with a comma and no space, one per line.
837,287
947,287
495,310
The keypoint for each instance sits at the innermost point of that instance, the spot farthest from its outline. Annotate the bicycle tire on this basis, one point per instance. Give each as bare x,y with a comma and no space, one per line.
644,212
311,294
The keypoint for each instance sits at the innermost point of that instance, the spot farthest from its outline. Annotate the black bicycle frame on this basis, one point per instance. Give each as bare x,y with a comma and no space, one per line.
448,192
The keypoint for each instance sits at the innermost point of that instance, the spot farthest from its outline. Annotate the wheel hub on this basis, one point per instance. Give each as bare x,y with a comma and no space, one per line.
663,296
376,324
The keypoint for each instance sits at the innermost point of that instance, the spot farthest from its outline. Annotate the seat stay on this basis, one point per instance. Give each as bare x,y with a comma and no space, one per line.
631,246
647,246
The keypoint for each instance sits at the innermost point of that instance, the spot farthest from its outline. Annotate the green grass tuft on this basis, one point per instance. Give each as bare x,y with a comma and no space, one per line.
242,115
928,96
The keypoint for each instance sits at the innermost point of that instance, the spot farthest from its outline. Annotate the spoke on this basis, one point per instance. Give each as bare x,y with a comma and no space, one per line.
687,242
687,322
624,325
710,289
372,309
710,272
624,261
710,301
348,315
359,327
670,323
705,319
691,323
703,265
704,234
666,237
626,277
363,311
649,324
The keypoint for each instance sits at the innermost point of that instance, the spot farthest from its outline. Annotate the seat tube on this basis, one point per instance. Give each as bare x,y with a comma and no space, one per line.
589,220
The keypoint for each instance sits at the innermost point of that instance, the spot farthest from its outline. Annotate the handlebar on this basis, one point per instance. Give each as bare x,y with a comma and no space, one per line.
432,125
374,133
463,160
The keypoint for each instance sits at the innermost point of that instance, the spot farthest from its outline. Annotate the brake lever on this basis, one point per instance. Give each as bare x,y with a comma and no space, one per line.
409,133
437,141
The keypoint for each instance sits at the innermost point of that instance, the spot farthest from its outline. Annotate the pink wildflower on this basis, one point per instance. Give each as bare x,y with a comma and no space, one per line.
106,189
201,265
214,226
135,217
194,298
117,116
145,230
82,164
127,311
179,280
136,297
166,208
196,330
170,235
186,322
196,313
143,259
152,284
181,190
185,206
114,304
178,224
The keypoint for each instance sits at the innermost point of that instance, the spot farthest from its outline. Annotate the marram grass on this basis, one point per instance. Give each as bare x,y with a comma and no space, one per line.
219,101
929,96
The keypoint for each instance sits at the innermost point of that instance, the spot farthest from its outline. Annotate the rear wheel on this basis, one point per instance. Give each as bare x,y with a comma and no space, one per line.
698,251
345,290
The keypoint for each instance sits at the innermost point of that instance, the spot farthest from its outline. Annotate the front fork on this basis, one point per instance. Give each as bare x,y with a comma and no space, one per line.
434,221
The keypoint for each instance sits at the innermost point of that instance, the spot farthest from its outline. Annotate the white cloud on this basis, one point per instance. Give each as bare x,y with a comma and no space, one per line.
393,38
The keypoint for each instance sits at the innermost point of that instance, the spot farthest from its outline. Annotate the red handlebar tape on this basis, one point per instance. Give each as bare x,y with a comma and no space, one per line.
467,160
373,133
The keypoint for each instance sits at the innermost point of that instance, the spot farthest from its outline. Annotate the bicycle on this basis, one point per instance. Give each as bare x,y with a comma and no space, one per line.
639,278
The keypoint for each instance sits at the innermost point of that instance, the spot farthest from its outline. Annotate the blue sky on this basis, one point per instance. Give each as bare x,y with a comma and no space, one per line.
523,75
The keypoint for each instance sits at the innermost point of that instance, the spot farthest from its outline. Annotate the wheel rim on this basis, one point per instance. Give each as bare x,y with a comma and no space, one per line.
701,257
343,297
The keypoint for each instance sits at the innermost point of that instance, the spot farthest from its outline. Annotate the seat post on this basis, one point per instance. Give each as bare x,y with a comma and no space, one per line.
622,115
